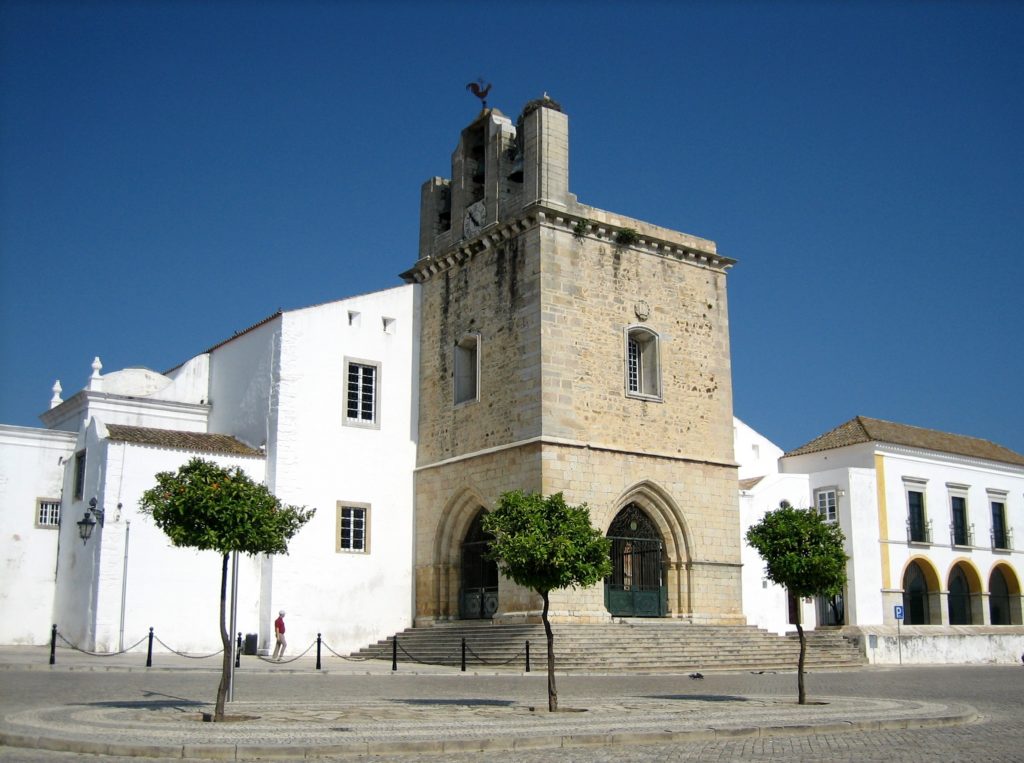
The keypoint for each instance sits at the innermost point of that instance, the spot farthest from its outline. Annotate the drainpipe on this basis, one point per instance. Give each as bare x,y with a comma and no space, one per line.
124,580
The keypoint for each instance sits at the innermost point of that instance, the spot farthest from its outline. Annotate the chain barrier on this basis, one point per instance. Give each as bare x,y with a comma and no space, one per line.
272,661
350,658
189,656
514,657
444,660
100,654
396,646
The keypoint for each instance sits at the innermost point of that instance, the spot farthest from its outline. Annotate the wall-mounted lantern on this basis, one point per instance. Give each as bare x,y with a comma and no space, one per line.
85,527
86,524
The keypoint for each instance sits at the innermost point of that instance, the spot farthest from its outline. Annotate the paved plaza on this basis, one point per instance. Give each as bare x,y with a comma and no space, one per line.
118,709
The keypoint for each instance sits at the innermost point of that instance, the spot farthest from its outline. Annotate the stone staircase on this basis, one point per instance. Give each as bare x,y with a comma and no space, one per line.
621,646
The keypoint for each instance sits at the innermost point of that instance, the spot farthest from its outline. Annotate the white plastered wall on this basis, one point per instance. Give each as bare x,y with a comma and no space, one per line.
318,460
173,590
31,467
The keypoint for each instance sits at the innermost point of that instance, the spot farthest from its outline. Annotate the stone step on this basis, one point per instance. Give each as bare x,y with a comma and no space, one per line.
617,646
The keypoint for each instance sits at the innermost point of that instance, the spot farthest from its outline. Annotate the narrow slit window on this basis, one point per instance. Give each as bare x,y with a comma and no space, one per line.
467,369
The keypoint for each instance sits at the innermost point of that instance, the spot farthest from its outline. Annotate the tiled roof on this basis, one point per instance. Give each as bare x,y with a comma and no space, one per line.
862,429
750,482
172,438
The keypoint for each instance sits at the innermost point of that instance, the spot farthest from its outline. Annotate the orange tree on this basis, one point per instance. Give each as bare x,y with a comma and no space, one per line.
545,544
209,507
803,553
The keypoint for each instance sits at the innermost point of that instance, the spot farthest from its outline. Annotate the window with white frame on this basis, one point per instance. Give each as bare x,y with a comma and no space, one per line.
48,512
362,382
353,529
467,369
960,530
1000,531
643,363
825,501
918,526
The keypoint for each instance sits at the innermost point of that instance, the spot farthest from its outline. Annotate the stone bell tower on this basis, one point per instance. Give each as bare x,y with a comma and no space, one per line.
568,349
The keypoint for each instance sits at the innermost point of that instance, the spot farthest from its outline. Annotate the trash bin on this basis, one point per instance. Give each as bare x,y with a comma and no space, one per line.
250,643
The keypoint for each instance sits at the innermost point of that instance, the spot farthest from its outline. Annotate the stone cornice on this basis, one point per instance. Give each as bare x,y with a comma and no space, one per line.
40,436
566,221
567,443
86,398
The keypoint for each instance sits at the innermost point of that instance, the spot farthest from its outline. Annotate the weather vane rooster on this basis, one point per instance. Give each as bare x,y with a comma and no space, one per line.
480,90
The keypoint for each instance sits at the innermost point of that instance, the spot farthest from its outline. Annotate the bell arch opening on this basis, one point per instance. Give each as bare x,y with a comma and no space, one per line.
478,579
637,585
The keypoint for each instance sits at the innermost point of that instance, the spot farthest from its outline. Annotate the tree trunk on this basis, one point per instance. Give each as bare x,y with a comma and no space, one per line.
225,639
552,691
800,693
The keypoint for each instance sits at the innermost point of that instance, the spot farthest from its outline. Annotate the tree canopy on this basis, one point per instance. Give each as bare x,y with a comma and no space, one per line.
801,551
209,507
545,544
214,508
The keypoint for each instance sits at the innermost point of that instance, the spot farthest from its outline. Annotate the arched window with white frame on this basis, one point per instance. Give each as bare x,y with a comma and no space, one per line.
643,363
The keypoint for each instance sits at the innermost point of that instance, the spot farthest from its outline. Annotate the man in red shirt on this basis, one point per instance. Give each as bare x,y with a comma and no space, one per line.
281,644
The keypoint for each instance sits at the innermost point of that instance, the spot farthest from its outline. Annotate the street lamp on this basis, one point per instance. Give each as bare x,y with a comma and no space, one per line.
85,527
86,524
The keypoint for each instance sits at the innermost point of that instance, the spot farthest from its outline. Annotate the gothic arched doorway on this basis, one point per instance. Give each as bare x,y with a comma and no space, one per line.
915,596
478,591
636,587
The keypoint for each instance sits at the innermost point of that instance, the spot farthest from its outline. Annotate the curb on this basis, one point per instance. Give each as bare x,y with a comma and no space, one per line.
499,743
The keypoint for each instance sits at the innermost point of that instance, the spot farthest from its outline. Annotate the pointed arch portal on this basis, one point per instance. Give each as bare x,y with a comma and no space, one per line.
636,587
478,592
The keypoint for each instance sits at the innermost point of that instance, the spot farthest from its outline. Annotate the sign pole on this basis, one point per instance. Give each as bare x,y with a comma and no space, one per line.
898,612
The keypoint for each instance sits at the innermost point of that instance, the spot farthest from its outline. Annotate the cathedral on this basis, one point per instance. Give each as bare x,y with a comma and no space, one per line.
537,344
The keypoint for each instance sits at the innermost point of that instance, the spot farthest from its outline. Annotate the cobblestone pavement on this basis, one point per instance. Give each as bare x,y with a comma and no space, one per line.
455,703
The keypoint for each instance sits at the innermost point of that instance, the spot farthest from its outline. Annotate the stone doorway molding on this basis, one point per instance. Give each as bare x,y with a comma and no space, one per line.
668,517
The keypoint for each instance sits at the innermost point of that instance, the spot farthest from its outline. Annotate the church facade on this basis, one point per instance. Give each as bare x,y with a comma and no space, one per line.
538,344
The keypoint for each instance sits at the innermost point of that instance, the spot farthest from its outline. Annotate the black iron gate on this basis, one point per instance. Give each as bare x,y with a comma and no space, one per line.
636,587
478,595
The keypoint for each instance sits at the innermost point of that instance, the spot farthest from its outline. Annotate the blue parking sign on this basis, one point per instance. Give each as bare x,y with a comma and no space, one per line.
899,611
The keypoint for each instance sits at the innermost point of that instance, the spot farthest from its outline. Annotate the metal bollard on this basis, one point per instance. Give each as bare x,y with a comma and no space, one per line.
463,654
394,654
149,650
238,651
318,651
53,644
527,655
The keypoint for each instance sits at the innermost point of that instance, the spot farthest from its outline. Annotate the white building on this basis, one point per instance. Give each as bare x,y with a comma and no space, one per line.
929,519
319,403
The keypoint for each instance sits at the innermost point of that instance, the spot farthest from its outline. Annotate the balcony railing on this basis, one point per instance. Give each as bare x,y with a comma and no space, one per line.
1002,540
919,532
961,534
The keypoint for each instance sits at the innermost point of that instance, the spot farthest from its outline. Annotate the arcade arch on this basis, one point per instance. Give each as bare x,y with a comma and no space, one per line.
921,593
964,604
1004,596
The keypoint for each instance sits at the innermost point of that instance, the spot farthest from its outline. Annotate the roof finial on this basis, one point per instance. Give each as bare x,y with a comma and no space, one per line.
96,381
55,400
480,90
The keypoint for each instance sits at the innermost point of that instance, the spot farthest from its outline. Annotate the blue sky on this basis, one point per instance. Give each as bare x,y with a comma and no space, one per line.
171,173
